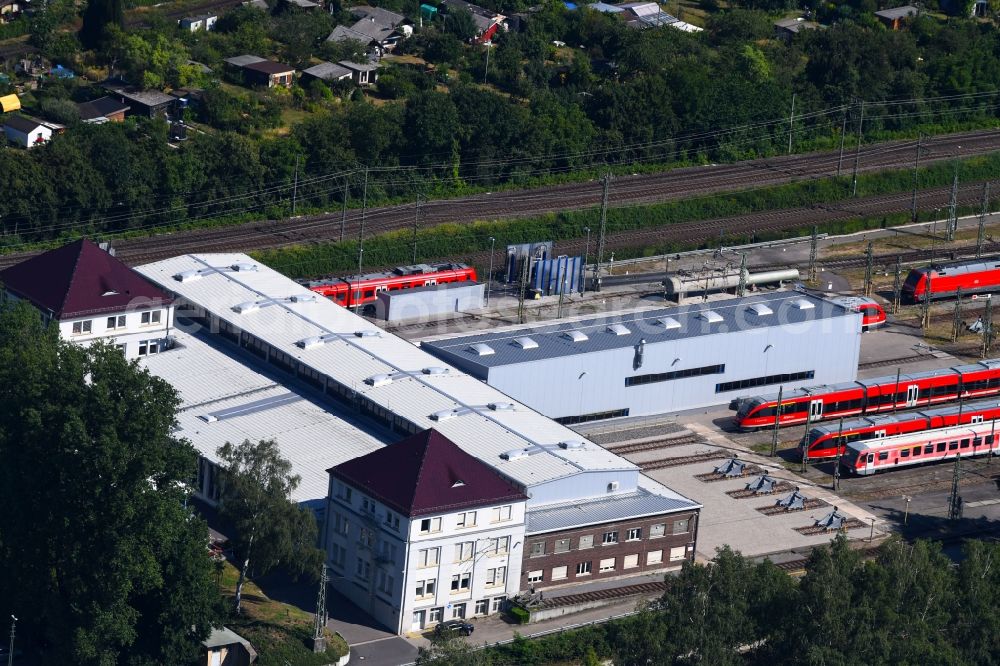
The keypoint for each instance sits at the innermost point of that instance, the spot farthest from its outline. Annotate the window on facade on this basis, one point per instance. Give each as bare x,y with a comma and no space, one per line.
463,551
428,525
428,557
634,534
344,493
677,554
147,318
148,347
366,537
561,546
367,505
654,557
681,526
337,555
392,521
482,607
609,538
630,561
121,348
496,604
607,564
116,322
425,588
497,576
82,327
585,542
656,531
385,582
537,548
460,582
535,576
363,569
458,612
501,513
435,614
467,519
764,381
638,380
558,573
341,524
583,569
498,545
387,550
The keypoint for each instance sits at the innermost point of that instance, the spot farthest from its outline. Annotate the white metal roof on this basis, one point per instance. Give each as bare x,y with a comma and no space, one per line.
224,400
282,321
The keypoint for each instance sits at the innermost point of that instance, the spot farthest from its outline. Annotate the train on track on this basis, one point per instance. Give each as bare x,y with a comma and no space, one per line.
977,276
363,290
872,313
873,456
822,440
870,396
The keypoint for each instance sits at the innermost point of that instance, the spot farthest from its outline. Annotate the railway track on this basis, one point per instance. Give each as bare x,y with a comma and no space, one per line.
640,189
655,445
677,461
892,362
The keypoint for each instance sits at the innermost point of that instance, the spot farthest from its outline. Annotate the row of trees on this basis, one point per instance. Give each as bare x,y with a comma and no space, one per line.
626,96
103,560
910,605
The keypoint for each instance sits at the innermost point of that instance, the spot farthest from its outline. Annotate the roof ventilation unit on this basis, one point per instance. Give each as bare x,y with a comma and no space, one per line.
711,316
309,343
480,349
668,323
571,445
618,329
187,276
576,336
367,334
243,267
246,307
443,415
501,406
760,309
379,380
525,343
613,486
435,370
802,304
514,454
303,298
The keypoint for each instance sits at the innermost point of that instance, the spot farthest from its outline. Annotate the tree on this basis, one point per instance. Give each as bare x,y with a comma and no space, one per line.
103,563
460,23
97,18
270,529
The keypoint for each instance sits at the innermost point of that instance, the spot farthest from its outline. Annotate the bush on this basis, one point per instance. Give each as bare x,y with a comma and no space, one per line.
519,615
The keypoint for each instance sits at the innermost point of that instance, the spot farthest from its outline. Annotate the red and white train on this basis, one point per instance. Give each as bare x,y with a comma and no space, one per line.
872,313
822,440
972,277
872,456
357,290
870,396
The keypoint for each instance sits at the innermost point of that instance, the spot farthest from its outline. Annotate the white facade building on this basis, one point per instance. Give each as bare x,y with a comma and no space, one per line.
420,532
94,296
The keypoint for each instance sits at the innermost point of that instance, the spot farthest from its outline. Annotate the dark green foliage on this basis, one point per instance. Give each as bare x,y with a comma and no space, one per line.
459,22
98,17
102,562
519,614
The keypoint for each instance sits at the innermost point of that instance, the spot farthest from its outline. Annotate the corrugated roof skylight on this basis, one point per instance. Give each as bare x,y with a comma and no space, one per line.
802,304
618,329
525,343
481,349
711,316
760,309
668,323
576,336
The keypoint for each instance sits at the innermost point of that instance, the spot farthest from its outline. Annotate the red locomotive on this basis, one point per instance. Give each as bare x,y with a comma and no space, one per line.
865,458
972,277
357,290
870,396
872,314
822,440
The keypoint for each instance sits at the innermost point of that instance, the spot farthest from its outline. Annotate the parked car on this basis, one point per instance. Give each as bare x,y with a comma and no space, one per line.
451,627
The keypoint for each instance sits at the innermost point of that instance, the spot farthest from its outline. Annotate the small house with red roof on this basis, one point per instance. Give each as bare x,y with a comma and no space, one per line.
93,295
420,532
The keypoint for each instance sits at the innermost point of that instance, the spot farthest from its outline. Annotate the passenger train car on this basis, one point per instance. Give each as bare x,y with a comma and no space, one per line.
973,277
357,290
872,456
822,440
870,396
872,313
